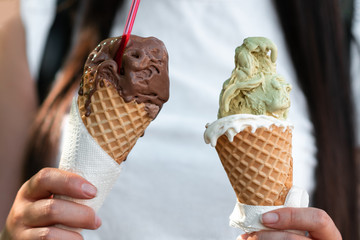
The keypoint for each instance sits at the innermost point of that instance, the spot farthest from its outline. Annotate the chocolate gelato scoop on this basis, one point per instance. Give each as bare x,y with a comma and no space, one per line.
143,75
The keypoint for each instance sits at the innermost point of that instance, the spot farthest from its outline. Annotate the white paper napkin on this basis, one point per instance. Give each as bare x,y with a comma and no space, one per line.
248,217
82,155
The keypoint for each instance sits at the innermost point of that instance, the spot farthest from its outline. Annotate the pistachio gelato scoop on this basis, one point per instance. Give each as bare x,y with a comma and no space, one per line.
254,86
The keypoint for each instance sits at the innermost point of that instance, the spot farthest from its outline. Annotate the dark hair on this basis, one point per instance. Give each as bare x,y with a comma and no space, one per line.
93,23
317,35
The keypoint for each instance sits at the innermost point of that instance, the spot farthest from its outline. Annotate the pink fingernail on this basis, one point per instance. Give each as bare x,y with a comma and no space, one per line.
97,221
245,236
270,218
89,190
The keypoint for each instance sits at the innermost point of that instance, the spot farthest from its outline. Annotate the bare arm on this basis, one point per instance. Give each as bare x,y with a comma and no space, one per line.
17,103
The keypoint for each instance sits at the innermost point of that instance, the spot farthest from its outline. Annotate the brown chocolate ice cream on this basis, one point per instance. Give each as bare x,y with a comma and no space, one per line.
143,75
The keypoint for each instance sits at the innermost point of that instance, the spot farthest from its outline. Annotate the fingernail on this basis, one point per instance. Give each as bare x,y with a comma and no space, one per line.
244,236
270,218
89,190
97,221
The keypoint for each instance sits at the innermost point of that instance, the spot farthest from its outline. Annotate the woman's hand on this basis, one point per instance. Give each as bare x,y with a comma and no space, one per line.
35,211
315,221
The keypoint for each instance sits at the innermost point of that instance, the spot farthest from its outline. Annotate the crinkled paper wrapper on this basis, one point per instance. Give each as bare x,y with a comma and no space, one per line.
83,155
248,217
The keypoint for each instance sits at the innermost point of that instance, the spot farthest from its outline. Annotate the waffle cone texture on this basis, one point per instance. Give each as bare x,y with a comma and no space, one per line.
113,123
259,164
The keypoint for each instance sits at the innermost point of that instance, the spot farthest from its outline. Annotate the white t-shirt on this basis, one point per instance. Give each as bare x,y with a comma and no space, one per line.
172,185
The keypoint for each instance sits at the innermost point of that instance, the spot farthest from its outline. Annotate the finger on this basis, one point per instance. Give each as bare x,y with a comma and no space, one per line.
47,212
52,233
316,221
273,235
247,235
50,181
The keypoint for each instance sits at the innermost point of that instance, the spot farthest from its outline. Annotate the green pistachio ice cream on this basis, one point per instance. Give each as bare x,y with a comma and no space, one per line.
254,86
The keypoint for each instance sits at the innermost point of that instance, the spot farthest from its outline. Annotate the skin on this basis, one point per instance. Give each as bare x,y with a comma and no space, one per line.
18,103
315,221
35,211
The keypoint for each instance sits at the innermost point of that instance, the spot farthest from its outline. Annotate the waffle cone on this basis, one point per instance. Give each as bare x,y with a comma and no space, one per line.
113,123
258,164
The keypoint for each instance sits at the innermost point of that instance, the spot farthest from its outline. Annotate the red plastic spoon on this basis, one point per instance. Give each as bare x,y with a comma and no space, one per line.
127,31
